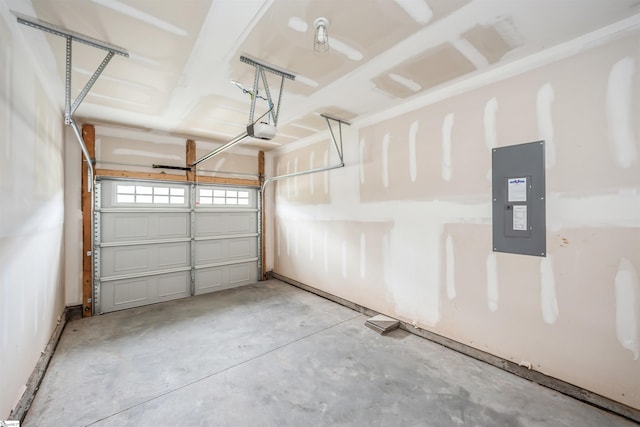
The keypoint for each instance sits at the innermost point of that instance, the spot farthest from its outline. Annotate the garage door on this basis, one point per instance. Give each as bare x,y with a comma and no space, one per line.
157,241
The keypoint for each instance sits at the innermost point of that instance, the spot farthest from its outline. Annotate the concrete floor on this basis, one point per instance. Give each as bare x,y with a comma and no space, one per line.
274,355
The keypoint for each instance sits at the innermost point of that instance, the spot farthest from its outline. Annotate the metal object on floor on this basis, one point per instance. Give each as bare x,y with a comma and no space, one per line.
382,324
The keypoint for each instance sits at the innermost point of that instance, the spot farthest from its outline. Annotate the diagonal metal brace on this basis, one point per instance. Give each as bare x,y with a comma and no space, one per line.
254,94
87,87
340,122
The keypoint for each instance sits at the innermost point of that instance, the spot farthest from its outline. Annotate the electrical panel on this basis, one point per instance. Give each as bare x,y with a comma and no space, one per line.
518,182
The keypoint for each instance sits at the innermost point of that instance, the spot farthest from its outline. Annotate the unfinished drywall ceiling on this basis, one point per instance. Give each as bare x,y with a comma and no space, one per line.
184,56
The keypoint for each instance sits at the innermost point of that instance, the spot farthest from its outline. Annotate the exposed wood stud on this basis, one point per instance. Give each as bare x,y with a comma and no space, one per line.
261,166
177,178
140,175
263,245
35,379
228,181
89,137
191,158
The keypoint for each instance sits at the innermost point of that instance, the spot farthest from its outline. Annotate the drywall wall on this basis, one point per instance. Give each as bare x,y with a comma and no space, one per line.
405,227
31,212
134,150
73,159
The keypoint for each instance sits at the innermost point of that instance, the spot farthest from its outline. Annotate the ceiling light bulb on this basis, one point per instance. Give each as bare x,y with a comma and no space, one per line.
321,35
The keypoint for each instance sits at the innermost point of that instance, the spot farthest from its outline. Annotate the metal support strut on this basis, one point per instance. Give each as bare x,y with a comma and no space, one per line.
273,110
69,108
336,144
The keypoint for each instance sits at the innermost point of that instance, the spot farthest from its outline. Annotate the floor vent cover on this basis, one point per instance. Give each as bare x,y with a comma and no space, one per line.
382,324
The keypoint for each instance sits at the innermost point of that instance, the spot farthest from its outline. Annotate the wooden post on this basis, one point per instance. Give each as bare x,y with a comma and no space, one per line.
89,137
191,158
261,166
263,247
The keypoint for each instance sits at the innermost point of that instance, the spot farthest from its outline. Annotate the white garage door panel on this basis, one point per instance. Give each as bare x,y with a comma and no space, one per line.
124,260
127,227
130,292
241,274
243,248
173,225
224,223
216,251
173,255
210,279
226,276
127,293
120,260
174,285
136,226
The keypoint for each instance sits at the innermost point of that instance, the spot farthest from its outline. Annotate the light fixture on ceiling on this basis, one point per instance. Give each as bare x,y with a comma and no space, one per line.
321,35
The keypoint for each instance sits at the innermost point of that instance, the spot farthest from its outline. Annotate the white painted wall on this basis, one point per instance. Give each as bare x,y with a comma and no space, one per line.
269,206
405,227
72,219
31,212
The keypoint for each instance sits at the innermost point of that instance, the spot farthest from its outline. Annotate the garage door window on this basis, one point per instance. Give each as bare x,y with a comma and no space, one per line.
149,194
223,197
